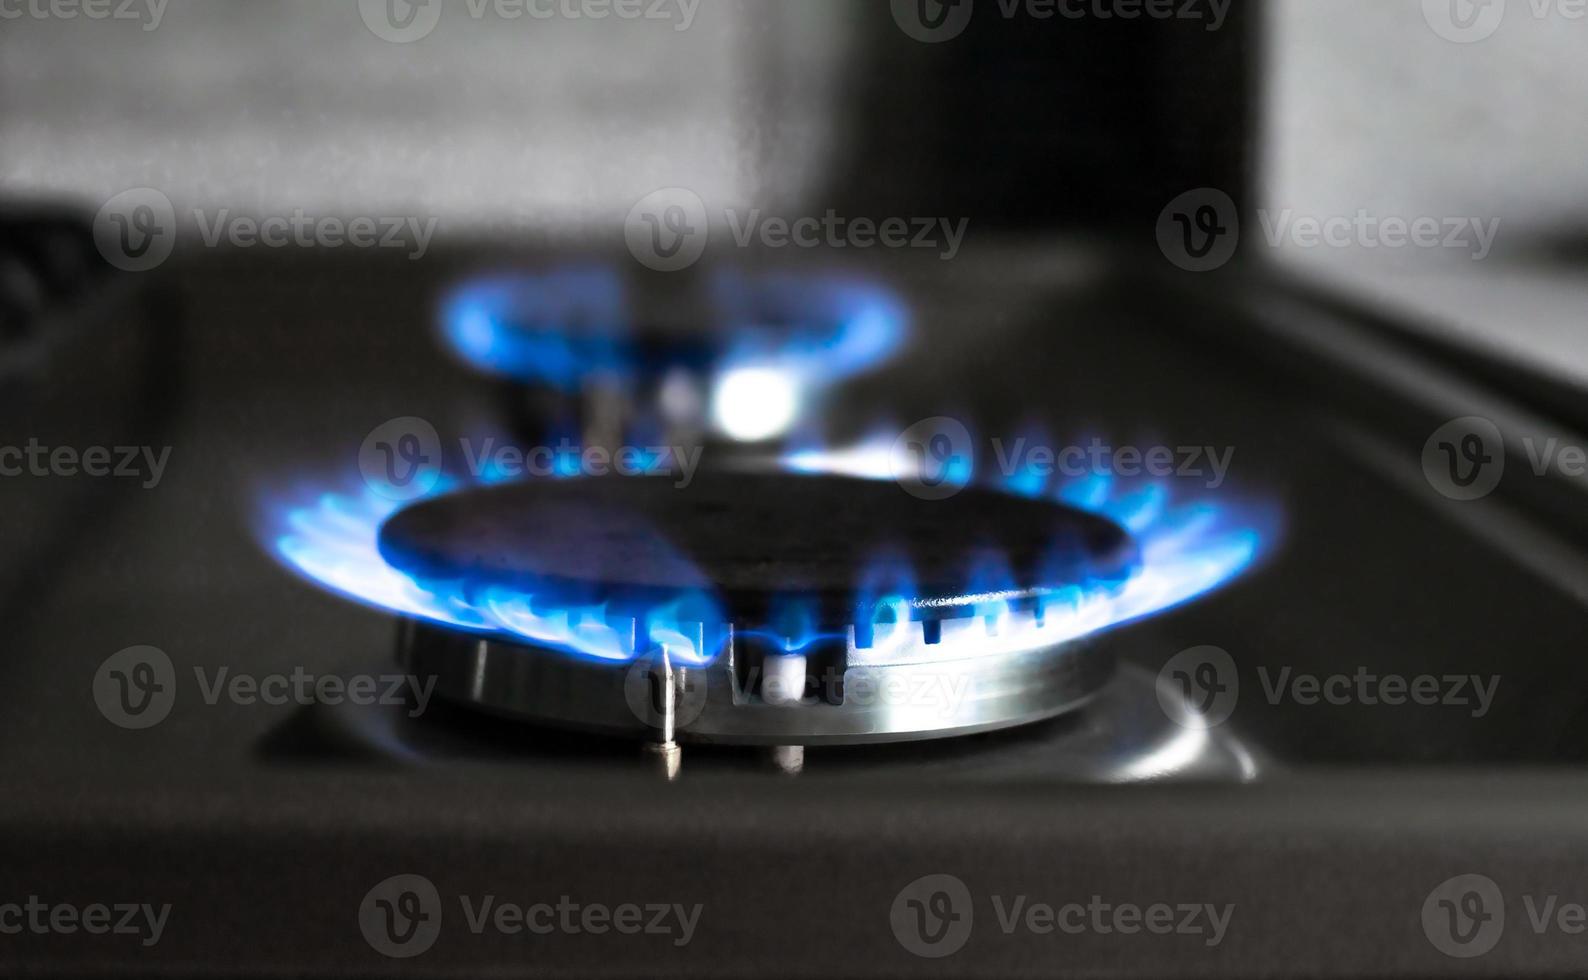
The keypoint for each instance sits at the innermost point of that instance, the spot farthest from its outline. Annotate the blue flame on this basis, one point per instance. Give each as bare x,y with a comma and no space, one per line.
567,326
559,329
332,539
1189,546
813,329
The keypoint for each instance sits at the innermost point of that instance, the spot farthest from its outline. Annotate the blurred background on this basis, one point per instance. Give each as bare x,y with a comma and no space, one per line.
535,125
1177,223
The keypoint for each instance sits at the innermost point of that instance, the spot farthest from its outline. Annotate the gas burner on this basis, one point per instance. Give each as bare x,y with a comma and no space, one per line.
777,609
764,609
736,356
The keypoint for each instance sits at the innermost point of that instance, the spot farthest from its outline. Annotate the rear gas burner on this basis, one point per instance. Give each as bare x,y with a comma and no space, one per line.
727,356
761,609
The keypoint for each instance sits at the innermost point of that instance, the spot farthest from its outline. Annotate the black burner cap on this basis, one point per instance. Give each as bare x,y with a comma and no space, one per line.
758,544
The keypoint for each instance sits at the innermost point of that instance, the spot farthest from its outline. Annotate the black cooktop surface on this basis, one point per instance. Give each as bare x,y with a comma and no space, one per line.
1407,677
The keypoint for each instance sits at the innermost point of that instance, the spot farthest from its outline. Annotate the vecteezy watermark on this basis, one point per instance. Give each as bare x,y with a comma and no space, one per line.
669,230
402,916
936,21
1364,230
402,459
1464,916
1200,231
146,464
302,688
147,13
1207,464
406,21
1204,920
1200,687
936,458
933,917
1472,692
1469,21
140,920
406,232
137,230
1465,459
136,688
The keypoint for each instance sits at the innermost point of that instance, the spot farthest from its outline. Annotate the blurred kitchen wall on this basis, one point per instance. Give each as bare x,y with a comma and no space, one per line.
488,122
1447,109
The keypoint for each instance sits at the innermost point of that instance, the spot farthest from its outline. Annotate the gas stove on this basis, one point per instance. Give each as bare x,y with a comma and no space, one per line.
366,662
742,584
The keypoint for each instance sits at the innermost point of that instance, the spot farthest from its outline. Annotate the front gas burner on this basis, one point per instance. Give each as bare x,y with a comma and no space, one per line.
761,609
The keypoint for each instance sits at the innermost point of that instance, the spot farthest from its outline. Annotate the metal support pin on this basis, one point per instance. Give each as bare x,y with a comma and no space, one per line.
790,759
783,684
664,746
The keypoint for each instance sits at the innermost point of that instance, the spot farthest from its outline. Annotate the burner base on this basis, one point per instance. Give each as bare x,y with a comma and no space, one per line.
748,698
1123,735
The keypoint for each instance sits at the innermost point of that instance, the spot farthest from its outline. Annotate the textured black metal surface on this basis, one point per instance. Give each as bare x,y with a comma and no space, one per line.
266,858
753,540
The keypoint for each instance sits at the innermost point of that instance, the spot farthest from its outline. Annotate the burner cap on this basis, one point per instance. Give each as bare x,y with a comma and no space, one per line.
833,547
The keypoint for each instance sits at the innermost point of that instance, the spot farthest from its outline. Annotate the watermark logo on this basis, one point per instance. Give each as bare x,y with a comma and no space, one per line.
936,21
1365,230
148,13
1023,459
932,916
400,21
668,229
1199,230
933,21
303,688
401,459
652,690
136,230
934,459
302,230
136,688
1204,920
404,460
1464,917
1465,458
505,461
1464,21
1199,688
401,916
146,464
1474,692
835,231
407,21
142,920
